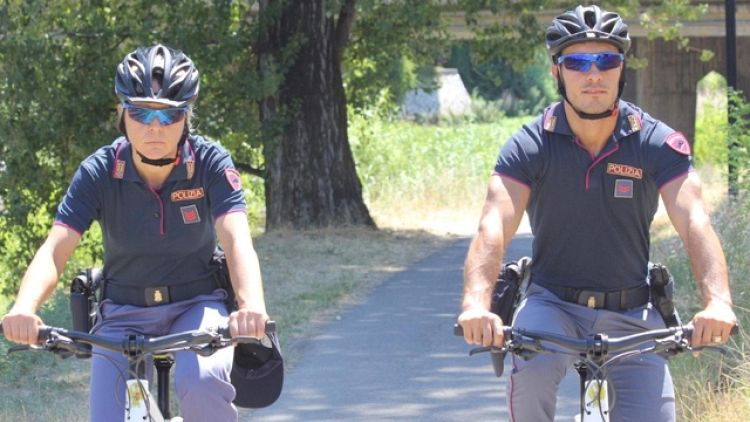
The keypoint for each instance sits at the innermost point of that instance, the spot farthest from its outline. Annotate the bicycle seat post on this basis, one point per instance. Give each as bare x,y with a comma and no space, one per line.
163,364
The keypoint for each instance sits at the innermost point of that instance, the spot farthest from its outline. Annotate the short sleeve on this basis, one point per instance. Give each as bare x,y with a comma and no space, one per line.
224,185
669,155
519,158
81,203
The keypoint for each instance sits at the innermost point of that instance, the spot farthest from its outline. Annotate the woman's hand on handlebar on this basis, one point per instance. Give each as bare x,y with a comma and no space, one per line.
21,327
247,323
482,327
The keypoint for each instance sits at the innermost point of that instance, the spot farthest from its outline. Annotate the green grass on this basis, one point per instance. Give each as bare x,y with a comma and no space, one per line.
714,387
425,176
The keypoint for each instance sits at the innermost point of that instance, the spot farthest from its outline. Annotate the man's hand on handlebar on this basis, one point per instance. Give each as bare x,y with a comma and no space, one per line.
21,327
482,327
713,325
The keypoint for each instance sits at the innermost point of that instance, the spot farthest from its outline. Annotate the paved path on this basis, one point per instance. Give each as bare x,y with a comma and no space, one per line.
394,357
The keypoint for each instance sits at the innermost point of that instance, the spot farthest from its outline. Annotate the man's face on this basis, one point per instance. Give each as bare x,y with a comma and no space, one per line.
595,90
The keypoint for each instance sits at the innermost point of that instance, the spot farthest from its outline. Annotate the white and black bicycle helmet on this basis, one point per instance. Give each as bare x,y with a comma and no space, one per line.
586,23
178,77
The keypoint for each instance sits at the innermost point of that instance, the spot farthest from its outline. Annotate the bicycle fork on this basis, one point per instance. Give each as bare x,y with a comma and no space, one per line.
594,398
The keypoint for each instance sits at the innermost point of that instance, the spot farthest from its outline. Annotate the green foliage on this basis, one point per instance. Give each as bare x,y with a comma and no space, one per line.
710,145
57,65
401,161
738,136
519,92
386,41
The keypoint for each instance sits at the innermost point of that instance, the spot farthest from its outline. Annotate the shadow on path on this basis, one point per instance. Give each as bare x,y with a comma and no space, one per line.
394,357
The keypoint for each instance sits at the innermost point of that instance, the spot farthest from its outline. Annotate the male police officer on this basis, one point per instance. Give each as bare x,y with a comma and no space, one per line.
589,171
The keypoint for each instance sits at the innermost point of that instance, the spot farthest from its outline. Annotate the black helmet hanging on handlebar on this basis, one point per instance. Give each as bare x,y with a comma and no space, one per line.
177,76
258,373
586,23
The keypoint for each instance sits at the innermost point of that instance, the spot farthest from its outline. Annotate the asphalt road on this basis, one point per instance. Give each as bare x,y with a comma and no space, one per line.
393,357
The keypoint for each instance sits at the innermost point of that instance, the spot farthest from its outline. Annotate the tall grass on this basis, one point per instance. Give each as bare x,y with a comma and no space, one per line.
716,387
413,174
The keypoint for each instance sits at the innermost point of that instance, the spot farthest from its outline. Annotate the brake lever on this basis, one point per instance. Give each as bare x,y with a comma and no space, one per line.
485,349
24,347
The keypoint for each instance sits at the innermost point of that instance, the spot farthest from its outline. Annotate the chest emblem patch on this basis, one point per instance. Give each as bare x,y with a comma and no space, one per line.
187,194
190,214
624,170
234,179
679,143
623,188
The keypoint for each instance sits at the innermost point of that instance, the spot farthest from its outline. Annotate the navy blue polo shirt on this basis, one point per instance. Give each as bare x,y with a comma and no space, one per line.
154,237
590,216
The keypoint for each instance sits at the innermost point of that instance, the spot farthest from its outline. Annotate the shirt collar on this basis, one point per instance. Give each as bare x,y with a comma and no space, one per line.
123,167
629,120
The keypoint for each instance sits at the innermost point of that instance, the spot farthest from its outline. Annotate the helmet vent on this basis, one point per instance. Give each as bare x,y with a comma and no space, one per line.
589,17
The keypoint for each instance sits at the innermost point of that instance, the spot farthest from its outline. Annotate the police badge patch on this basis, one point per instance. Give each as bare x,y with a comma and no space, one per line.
234,179
623,188
678,142
190,214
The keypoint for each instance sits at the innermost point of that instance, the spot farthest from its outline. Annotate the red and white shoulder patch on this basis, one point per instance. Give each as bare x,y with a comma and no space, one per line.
234,179
678,142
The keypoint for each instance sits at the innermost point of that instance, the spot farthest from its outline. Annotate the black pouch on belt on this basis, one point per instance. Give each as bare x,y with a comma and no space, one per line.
222,278
661,283
83,299
509,290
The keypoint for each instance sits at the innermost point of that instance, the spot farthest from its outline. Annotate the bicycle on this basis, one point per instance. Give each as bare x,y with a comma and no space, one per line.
595,353
139,402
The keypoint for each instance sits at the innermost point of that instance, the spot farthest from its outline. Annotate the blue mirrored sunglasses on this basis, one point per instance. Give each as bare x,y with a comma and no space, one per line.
581,62
145,115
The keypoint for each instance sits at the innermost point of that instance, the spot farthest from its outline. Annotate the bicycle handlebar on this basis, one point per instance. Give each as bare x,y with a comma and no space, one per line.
517,340
205,341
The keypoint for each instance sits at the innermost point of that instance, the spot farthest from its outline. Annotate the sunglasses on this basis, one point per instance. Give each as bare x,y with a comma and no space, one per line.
166,116
581,62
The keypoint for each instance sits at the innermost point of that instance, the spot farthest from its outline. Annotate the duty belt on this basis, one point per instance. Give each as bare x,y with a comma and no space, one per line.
157,295
617,300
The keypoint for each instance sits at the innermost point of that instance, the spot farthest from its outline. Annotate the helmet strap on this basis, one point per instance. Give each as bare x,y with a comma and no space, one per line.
161,162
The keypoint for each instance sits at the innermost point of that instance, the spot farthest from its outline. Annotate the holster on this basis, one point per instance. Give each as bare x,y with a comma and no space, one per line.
509,290
661,284
223,280
83,298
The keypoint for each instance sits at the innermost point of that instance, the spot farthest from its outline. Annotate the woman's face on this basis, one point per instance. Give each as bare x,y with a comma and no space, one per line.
159,138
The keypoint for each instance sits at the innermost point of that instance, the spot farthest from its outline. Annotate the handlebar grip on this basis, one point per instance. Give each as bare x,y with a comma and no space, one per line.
270,328
44,332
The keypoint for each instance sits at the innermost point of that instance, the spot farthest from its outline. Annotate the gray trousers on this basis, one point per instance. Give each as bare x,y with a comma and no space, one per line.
643,386
202,384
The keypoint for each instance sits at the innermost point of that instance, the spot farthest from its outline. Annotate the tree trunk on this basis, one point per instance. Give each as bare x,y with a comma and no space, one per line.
311,178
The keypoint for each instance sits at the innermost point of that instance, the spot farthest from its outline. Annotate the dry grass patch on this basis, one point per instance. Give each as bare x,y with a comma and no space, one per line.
309,276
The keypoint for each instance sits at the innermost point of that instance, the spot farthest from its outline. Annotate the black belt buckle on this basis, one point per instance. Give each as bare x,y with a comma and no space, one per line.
592,299
156,295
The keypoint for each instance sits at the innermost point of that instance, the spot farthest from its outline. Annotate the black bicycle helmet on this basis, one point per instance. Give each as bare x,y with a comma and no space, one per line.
258,373
178,77
586,23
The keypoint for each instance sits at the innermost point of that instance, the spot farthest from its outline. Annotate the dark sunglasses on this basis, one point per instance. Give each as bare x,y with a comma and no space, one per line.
145,115
581,62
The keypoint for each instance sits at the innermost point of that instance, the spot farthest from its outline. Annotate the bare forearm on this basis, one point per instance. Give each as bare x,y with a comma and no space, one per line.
481,269
39,281
246,278
708,264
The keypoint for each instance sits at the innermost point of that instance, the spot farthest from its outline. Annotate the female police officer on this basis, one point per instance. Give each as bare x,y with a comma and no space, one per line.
161,195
